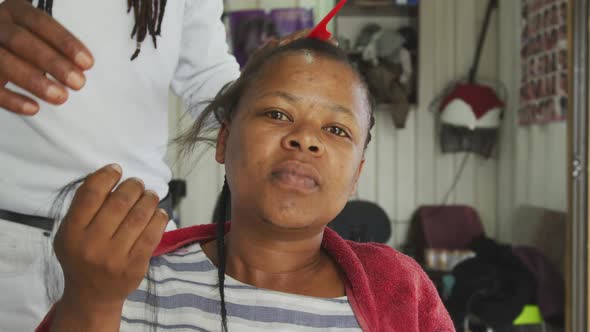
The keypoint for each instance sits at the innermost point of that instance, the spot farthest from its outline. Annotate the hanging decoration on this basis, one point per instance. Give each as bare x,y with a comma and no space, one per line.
470,114
385,58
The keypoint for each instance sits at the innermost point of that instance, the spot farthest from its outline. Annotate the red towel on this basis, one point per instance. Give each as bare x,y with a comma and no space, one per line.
387,290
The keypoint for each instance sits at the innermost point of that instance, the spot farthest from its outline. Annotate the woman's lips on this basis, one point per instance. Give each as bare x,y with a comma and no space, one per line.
296,175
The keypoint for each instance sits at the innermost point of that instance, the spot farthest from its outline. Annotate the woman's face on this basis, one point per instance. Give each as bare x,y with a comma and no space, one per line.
293,151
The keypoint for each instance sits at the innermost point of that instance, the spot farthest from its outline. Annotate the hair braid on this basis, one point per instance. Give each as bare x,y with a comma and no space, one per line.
221,253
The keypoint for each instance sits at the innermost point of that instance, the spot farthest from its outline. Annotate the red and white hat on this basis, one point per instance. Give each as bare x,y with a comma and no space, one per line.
472,106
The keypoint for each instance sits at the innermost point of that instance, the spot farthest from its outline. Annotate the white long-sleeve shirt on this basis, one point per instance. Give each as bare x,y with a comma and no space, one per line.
121,115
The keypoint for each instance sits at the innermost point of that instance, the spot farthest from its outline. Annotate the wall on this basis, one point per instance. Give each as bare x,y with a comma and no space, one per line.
404,168
533,168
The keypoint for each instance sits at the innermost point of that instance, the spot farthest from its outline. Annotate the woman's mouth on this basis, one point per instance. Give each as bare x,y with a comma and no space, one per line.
297,176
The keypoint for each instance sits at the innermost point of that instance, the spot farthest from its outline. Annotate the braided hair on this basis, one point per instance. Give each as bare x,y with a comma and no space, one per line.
220,219
148,19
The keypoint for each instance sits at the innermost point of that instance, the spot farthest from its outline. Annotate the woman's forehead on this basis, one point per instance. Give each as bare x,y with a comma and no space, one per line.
309,73
310,76
304,57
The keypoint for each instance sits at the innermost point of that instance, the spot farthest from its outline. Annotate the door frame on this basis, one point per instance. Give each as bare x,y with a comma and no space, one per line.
578,316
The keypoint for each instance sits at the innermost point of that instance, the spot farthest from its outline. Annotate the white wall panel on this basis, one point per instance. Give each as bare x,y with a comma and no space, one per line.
425,125
405,170
533,159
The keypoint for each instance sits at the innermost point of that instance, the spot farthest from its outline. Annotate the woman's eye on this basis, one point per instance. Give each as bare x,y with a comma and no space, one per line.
337,131
277,115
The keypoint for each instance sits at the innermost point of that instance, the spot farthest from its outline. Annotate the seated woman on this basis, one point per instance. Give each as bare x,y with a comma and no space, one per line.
292,133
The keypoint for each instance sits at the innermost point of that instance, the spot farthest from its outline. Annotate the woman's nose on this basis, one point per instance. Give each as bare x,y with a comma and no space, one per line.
304,141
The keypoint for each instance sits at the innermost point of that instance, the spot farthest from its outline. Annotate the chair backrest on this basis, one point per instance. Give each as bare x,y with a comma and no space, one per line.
443,227
362,221
543,229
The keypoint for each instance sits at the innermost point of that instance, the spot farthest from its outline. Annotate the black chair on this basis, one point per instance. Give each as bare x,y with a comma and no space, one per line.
362,221
176,191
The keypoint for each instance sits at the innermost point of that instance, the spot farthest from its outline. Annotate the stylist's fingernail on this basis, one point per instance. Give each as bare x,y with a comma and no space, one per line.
138,180
83,60
53,92
162,211
151,193
116,167
75,80
29,108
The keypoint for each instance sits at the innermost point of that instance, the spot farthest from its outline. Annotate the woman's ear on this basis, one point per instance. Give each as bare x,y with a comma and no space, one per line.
357,175
221,143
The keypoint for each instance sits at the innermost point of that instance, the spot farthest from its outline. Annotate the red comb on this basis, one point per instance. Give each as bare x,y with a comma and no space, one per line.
319,31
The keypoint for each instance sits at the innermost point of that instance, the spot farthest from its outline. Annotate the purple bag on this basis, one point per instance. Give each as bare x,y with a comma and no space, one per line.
250,29
289,20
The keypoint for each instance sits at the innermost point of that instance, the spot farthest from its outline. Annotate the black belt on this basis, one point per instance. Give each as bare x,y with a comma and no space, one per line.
46,224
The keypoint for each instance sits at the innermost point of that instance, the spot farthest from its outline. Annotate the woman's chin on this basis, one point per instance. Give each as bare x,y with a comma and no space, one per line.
290,212
293,219
289,223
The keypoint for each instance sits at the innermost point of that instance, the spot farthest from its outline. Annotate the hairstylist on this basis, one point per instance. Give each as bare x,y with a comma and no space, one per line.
84,83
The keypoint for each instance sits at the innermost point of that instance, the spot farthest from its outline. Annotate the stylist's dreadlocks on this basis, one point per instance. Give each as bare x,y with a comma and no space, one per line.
148,19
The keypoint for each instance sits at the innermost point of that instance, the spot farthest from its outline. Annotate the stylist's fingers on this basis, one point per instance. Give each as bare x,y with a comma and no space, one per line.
273,42
149,239
91,195
136,221
16,103
294,36
333,41
26,76
268,45
303,34
115,208
28,47
50,31
33,43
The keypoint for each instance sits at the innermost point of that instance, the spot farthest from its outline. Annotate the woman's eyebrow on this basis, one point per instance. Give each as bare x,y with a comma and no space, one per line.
339,108
293,99
281,94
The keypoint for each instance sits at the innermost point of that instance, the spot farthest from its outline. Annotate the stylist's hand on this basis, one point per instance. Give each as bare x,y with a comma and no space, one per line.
32,43
104,246
273,42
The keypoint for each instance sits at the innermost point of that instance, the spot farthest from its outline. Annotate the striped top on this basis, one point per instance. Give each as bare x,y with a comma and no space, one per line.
187,299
